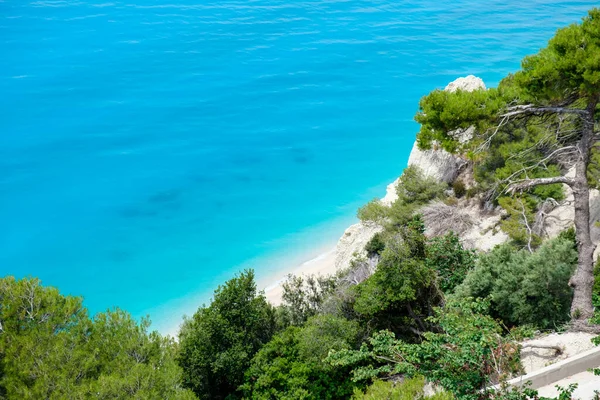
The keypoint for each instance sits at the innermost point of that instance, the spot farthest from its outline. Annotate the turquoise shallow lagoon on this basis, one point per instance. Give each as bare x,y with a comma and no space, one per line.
149,149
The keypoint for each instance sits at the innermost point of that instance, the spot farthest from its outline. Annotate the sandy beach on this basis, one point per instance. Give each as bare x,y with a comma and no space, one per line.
324,264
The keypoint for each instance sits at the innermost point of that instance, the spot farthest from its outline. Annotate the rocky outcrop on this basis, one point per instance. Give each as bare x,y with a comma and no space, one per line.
352,243
438,163
545,350
468,83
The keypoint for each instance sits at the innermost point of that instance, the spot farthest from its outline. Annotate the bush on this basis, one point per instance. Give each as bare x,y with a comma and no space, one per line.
525,288
459,189
376,245
409,389
464,355
218,343
290,366
402,291
416,188
373,211
303,297
446,255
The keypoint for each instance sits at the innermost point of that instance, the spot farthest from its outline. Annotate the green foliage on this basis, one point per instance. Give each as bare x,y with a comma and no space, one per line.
303,297
459,189
479,354
414,189
51,349
401,292
568,66
441,112
217,344
523,287
450,260
376,245
290,366
373,211
409,389
519,221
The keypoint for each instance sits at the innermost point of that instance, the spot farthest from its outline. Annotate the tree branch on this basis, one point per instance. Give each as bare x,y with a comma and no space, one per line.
531,109
525,184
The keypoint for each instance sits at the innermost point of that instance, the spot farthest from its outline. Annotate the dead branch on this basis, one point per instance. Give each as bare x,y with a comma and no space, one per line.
525,184
441,218
531,109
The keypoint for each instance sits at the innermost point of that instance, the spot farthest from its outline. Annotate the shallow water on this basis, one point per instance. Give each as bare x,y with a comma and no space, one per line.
149,149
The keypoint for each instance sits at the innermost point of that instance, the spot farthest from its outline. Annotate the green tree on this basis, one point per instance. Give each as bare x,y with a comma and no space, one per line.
218,342
303,297
523,287
467,354
446,255
51,349
291,366
554,99
401,294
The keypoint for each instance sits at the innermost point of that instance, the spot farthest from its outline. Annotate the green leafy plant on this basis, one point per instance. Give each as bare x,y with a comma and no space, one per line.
219,341
446,255
524,287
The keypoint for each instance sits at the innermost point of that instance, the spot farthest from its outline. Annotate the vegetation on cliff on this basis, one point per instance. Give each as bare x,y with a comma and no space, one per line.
418,316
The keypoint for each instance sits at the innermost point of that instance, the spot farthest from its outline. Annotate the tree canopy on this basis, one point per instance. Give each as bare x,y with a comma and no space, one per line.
51,349
219,341
535,127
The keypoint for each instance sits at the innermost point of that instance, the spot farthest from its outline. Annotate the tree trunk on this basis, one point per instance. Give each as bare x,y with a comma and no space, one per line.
583,279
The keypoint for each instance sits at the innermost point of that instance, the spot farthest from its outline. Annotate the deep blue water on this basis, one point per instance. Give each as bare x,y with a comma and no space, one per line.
150,148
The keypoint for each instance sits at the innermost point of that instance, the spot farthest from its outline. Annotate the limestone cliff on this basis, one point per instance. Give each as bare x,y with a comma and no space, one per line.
478,228
438,164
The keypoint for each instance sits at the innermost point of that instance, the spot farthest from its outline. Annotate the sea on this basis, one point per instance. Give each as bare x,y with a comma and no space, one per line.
150,150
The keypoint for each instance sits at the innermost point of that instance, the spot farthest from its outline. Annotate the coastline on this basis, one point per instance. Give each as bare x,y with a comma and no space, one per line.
323,264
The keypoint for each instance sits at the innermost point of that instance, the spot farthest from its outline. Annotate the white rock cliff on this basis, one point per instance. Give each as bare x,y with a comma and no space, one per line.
438,164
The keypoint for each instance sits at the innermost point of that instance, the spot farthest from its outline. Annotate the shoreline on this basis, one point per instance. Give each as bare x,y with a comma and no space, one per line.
323,264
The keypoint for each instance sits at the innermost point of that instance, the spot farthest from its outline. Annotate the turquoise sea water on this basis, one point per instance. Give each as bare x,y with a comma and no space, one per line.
148,149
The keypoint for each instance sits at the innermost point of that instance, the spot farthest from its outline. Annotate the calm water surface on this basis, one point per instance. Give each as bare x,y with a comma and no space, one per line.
149,149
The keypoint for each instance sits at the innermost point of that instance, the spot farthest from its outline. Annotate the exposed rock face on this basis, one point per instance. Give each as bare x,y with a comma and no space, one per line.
485,234
390,193
543,351
468,83
353,243
438,164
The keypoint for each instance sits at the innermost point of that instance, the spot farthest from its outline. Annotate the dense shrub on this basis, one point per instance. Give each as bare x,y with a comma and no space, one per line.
217,344
409,389
414,189
459,188
51,349
446,255
376,245
402,291
291,365
524,287
465,354
303,297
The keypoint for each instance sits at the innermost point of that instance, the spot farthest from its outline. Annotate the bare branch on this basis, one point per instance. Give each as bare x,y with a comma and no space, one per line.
531,109
526,184
529,231
487,142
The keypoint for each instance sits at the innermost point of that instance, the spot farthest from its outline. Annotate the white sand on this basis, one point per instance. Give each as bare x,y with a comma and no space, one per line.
323,264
